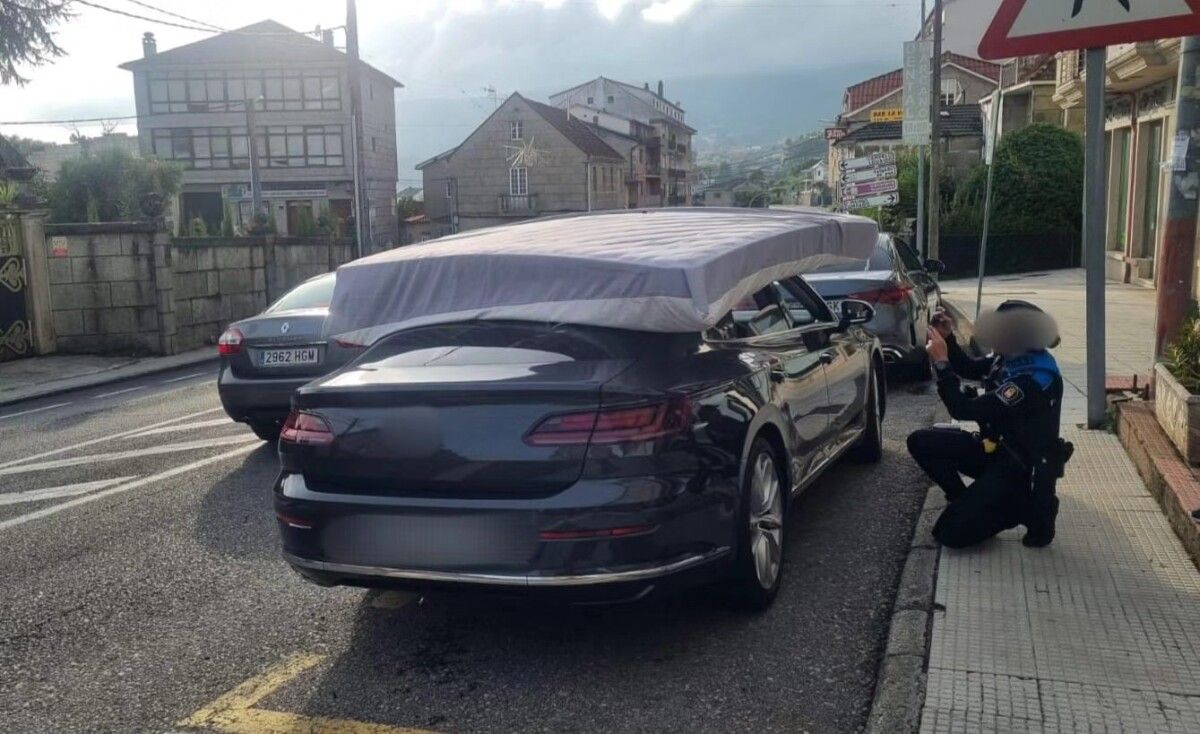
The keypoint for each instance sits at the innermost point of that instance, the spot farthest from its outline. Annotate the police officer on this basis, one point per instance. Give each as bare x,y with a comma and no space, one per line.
1016,457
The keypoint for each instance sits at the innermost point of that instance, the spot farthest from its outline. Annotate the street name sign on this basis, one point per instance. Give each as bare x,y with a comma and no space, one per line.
870,188
868,161
917,56
865,203
870,174
1029,27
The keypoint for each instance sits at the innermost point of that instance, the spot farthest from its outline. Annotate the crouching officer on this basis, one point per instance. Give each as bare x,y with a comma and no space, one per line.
1017,457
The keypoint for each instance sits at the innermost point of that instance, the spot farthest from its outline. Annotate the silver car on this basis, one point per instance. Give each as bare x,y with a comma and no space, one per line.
903,291
266,357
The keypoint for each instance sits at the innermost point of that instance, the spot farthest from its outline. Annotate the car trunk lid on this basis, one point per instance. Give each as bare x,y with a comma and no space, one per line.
447,410
282,344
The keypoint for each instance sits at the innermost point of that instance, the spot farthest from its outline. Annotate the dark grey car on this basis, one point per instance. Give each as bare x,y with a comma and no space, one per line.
901,288
265,358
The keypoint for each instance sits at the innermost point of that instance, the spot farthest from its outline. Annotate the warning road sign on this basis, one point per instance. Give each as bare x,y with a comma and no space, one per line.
1028,27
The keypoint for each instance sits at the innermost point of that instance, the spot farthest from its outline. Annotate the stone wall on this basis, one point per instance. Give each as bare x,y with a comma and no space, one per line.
102,287
126,288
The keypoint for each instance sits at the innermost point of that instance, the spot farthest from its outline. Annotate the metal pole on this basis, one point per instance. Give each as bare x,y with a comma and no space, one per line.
1094,215
359,250
362,208
935,134
255,187
921,246
987,198
1178,252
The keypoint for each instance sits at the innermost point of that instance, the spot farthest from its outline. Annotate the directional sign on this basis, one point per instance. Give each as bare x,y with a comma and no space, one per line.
870,174
1029,27
871,188
870,201
869,161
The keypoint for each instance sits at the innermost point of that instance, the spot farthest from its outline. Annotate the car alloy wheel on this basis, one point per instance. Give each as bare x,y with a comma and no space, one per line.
766,520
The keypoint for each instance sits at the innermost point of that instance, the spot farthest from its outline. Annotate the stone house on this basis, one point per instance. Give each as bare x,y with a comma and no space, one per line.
526,160
1027,89
1139,138
192,108
661,168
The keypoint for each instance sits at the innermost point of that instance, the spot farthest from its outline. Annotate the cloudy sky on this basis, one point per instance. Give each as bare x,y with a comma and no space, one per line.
451,50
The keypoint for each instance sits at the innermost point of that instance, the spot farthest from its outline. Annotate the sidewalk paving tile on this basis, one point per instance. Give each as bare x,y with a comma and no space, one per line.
1095,633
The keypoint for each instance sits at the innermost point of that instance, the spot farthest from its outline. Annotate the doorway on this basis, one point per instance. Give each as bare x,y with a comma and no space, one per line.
1152,171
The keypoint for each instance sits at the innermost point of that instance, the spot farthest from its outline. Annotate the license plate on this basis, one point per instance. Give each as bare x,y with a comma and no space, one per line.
289,357
835,307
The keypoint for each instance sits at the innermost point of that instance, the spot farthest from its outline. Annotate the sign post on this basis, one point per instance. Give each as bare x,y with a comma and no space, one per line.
917,55
1029,27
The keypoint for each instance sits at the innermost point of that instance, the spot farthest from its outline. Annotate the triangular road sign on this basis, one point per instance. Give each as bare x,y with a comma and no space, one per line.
1028,27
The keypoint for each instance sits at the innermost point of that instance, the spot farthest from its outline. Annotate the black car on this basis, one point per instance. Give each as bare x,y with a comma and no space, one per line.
266,357
599,463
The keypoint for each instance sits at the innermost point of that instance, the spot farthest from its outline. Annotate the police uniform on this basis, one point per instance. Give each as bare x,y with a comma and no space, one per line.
1015,459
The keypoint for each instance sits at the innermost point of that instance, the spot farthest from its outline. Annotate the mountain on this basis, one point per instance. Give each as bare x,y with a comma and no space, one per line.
728,111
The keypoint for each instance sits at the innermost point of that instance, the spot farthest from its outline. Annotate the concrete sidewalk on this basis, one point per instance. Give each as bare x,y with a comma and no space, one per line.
38,377
1098,632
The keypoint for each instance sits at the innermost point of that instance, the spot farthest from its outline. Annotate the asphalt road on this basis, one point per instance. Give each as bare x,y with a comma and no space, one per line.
143,591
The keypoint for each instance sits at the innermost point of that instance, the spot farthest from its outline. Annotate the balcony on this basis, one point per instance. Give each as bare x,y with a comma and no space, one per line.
518,205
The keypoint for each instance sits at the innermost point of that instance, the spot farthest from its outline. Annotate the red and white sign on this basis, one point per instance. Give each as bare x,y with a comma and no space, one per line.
834,134
872,188
1028,27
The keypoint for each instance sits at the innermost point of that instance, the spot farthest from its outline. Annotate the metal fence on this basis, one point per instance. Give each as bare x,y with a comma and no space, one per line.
1009,253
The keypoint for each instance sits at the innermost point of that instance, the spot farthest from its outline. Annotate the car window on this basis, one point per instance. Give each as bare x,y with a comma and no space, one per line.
804,306
882,258
912,261
759,314
315,293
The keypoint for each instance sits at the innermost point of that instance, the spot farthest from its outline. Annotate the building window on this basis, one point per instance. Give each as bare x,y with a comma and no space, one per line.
227,91
591,100
518,181
293,146
952,92
449,189
610,99
373,144
514,130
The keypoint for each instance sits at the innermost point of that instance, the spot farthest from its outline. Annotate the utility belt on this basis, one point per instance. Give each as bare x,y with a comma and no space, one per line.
1051,466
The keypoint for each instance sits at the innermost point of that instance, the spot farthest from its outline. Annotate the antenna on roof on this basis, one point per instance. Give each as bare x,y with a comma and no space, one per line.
490,91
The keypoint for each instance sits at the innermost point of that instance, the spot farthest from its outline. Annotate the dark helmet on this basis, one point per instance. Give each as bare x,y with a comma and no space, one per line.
1016,327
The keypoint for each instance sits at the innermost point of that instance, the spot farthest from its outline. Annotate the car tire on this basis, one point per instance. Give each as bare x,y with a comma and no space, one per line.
869,447
758,568
267,431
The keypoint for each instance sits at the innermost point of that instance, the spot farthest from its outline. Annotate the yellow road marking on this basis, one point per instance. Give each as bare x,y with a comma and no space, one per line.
233,713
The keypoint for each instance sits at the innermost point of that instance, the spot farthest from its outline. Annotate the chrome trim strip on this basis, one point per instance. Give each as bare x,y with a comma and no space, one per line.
609,577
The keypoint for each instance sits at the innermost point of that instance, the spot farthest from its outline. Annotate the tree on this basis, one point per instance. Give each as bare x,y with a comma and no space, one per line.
408,207
1037,186
109,186
25,35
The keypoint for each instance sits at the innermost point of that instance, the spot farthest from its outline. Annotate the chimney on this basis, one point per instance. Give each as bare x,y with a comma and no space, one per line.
660,88
327,38
149,45
646,86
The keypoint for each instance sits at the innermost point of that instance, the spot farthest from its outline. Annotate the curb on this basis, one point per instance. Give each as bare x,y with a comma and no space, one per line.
900,688
116,374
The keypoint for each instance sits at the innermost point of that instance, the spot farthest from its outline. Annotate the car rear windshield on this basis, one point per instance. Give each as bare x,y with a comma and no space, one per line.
315,293
881,259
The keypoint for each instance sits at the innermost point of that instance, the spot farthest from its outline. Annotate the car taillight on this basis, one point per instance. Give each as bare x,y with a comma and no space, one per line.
231,342
890,295
306,428
614,425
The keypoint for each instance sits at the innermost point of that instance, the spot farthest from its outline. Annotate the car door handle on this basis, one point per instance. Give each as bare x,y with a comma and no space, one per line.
827,357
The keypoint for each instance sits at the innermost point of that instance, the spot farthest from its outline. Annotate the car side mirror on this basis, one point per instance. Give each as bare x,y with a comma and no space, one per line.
935,266
854,311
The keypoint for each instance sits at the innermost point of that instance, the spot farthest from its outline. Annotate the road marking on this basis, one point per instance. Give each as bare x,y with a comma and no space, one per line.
234,712
69,490
185,377
102,439
168,448
46,512
184,427
34,410
117,392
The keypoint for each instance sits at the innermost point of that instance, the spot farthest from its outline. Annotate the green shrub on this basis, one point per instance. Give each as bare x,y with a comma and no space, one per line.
227,221
1182,356
198,228
108,186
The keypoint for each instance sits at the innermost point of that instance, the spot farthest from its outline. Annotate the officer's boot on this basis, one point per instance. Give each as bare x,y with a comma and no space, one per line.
1040,526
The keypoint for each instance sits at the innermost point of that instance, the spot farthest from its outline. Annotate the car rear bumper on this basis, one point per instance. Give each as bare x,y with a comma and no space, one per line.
893,325
257,399
679,539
